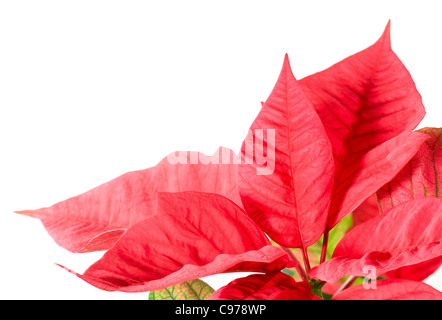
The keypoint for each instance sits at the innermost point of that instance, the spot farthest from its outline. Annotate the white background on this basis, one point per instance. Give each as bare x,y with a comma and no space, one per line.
92,89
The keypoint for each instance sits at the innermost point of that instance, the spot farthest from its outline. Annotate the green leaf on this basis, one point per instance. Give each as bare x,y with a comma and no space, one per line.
337,233
288,271
188,290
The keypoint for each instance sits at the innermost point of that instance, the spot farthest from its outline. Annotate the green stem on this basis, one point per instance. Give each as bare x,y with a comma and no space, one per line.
346,284
306,261
298,267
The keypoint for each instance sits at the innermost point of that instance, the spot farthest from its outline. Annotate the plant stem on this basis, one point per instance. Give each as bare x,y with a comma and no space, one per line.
346,284
298,267
306,261
324,247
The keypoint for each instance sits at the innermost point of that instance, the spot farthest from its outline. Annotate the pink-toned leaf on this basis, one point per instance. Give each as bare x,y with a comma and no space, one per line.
193,235
272,286
418,272
377,167
391,289
290,200
96,219
410,233
363,101
420,178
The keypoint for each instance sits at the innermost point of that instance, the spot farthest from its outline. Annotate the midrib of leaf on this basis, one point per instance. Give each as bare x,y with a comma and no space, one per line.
363,103
287,70
349,141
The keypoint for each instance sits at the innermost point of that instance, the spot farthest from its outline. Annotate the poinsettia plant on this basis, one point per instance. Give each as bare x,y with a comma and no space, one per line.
333,195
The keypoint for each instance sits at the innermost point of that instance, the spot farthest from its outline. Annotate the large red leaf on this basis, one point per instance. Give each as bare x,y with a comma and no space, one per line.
291,201
364,100
391,289
420,178
272,286
418,272
410,233
378,166
96,219
193,235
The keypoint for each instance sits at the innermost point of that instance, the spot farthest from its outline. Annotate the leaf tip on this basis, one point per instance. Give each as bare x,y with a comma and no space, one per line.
386,37
287,69
67,269
286,61
26,212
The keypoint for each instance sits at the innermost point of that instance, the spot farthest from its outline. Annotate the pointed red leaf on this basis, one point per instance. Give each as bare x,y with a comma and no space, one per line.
363,101
409,234
391,289
96,219
420,178
272,286
418,272
378,166
290,200
193,235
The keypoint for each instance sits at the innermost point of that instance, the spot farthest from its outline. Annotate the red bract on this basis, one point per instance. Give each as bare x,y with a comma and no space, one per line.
409,234
420,178
291,203
321,148
392,290
364,101
269,286
96,219
192,235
